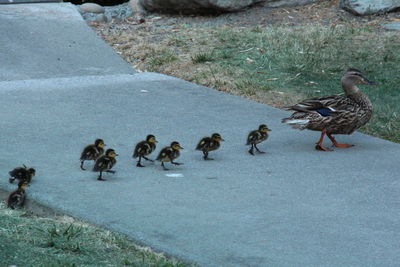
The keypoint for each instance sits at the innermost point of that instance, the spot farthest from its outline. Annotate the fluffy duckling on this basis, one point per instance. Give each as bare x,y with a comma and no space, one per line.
207,144
92,151
22,174
169,153
105,163
257,136
17,198
144,148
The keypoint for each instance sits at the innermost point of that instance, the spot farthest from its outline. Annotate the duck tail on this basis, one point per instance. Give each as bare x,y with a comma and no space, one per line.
296,123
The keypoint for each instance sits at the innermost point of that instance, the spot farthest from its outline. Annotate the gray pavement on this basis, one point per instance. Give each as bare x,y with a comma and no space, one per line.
292,206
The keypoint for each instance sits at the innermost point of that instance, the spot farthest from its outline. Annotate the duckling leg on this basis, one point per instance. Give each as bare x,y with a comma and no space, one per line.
138,163
176,163
259,151
319,145
205,157
162,164
146,158
82,166
251,151
100,178
336,144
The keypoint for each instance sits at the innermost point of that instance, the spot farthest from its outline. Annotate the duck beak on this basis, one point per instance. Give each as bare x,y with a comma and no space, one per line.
366,81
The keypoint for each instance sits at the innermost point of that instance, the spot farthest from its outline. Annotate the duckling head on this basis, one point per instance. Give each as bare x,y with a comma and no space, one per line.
32,171
151,138
99,143
264,128
352,77
111,153
217,137
176,146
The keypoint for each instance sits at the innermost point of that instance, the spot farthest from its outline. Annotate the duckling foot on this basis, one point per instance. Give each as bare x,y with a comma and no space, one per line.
176,163
110,171
100,179
139,165
258,150
164,168
207,158
83,169
251,151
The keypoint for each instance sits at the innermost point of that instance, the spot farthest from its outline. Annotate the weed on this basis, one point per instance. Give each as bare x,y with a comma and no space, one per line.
202,57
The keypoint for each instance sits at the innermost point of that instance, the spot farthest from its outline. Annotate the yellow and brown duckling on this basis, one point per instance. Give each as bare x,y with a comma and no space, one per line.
334,114
207,144
144,148
17,198
92,151
22,174
105,163
169,154
257,136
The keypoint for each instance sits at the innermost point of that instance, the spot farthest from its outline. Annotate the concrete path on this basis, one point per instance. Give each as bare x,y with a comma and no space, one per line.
292,206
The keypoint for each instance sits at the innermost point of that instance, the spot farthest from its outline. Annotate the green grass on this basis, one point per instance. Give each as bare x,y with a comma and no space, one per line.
309,60
27,240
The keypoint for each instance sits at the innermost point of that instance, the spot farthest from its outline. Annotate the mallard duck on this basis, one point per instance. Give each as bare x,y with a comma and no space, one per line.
169,153
105,163
92,151
144,148
207,144
334,114
22,174
17,198
257,136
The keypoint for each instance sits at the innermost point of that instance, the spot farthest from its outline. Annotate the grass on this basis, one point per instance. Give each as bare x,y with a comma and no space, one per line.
277,64
27,240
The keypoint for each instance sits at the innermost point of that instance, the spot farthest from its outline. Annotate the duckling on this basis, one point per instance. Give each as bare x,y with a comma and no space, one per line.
17,198
207,144
144,148
22,174
334,114
169,153
257,136
105,163
92,151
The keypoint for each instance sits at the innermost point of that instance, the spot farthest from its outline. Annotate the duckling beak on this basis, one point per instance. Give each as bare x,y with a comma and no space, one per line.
180,147
222,139
116,154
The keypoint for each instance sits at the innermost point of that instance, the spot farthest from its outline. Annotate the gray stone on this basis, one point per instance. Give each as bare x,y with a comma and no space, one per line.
392,26
111,12
368,7
190,6
289,3
101,18
92,8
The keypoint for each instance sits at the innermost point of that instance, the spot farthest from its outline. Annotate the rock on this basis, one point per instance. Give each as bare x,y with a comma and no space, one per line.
198,6
111,12
289,3
368,7
101,18
392,26
92,8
